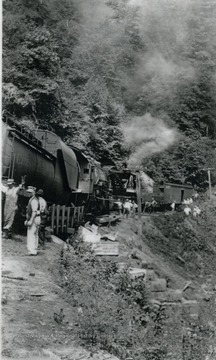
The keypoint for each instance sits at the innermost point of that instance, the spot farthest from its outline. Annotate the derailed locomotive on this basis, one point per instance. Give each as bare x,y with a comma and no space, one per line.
64,173
68,176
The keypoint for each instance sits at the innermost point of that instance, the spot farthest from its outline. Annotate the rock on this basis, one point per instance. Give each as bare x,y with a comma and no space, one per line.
158,285
207,297
136,273
122,266
174,295
56,240
149,275
42,323
147,265
170,295
190,308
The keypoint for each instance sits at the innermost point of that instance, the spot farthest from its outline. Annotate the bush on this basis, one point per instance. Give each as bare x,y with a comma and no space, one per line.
112,311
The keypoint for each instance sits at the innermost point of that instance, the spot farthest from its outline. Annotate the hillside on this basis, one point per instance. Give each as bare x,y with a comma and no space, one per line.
156,300
129,82
91,71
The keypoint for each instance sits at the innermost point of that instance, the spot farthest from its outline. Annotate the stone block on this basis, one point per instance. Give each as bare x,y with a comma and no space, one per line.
149,275
174,295
170,295
136,273
190,308
122,266
158,285
147,265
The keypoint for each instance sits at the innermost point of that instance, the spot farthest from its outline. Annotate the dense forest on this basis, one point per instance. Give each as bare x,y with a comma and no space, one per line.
125,80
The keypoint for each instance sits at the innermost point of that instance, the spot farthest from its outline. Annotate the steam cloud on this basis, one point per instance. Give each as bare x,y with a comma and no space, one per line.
146,136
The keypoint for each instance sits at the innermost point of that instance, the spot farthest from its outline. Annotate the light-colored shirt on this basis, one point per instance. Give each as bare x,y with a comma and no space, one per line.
127,205
187,210
43,204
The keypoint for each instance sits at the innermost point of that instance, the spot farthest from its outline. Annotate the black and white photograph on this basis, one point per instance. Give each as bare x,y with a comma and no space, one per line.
108,191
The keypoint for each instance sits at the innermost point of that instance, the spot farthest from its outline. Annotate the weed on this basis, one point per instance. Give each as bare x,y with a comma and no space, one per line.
111,310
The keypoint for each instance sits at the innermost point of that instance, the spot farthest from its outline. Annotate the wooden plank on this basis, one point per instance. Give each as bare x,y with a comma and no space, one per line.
72,216
57,218
107,249
82,212
63,218
68,217
78,214
53,217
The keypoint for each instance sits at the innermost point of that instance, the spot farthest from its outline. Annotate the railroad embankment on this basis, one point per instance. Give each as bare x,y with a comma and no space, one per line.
153,299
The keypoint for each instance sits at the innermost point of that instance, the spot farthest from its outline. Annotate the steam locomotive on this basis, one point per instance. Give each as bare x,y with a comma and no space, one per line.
64,173
69,176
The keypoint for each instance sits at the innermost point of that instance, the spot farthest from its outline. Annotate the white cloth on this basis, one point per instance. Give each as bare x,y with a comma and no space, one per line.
32,231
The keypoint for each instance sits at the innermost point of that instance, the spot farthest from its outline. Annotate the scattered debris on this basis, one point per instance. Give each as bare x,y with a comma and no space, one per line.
187,285
42,323
108,219
59,317
14,277
158,285
110,236
180,259
56,240
106,249
89,236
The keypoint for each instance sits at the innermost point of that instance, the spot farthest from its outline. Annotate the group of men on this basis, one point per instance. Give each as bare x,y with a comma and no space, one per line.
189,208
127,208
36,214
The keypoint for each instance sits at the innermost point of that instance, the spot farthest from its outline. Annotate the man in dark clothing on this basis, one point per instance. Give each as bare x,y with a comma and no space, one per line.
43,217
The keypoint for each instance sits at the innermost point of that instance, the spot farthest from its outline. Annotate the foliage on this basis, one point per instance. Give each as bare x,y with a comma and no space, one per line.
84,74
111,311
190,238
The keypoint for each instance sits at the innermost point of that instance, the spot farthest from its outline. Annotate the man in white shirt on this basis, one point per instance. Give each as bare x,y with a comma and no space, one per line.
10,206
127,207
32,222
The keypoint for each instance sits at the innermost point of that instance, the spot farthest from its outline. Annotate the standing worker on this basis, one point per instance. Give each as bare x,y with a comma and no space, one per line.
119,205
10,205
43,217
173,205
134,208
127,208
32,221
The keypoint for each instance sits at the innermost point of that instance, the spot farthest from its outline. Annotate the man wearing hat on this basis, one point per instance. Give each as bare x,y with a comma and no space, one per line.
32,221
10,206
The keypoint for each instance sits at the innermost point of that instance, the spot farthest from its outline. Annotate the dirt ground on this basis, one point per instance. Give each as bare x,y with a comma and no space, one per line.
30,297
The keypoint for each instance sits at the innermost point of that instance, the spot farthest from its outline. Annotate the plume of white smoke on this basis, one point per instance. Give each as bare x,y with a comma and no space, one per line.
147,135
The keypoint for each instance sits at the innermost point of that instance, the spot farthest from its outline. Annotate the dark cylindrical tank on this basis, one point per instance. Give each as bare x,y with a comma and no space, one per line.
20,157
